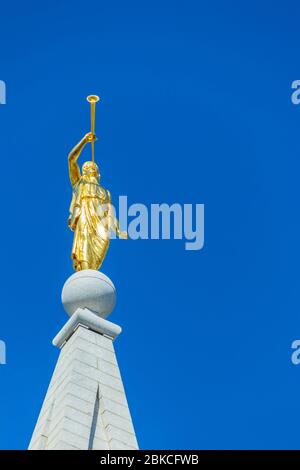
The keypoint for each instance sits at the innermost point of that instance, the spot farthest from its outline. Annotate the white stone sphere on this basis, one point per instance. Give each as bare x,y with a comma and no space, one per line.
89,289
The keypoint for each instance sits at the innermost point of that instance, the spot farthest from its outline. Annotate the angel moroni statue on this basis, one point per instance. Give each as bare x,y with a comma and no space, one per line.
91,214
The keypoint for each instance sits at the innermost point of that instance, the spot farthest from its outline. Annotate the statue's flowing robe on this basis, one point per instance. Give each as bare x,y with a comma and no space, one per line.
92,225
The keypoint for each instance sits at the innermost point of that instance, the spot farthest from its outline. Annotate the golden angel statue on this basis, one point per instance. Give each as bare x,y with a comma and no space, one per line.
92,216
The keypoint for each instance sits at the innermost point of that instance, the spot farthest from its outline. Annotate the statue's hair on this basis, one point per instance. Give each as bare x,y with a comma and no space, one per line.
90,165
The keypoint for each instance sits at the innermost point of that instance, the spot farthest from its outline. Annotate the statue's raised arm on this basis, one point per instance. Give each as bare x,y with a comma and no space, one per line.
74,170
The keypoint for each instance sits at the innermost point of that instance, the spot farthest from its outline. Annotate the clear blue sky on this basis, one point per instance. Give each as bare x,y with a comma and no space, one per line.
196,109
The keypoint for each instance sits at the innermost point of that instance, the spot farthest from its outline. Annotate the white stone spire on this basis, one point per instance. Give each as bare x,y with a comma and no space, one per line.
85,406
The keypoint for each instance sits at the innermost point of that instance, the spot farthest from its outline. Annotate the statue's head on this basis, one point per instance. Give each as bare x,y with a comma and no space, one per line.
90,169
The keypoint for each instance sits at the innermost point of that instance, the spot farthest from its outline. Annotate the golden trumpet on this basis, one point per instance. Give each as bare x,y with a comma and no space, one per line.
93,99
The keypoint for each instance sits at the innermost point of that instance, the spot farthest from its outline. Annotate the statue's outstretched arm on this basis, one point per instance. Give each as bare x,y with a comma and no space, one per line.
74,170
